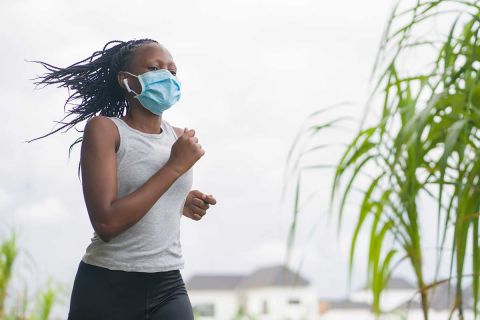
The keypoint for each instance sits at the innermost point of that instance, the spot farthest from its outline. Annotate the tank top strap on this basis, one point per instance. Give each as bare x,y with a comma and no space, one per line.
122,132
123,129
170,129
117,121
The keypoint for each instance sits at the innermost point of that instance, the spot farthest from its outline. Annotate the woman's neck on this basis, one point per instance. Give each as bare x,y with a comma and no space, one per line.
143,120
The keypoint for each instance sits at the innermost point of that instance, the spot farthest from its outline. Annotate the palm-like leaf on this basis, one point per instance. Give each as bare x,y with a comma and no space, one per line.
424,144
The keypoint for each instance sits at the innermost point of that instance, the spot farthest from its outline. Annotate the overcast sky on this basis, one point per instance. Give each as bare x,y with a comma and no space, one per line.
251,70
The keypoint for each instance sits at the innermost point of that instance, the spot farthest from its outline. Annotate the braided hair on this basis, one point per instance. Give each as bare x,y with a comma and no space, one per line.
93,81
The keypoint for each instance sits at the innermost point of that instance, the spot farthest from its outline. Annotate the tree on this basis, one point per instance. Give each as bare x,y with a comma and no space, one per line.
424,144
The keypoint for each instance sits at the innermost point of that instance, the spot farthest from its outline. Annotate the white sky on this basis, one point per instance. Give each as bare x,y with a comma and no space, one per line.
251,72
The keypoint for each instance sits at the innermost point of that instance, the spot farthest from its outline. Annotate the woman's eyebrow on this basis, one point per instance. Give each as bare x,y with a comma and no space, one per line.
160,61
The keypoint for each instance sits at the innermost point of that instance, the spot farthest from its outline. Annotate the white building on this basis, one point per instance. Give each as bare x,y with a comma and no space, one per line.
345,310
399,301
270,293
441,300
214,297
277,293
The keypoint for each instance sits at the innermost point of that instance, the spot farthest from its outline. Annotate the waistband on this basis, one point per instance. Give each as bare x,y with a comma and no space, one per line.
94,268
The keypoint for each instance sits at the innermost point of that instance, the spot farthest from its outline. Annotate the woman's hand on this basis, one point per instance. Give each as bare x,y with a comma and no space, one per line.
197,204
185,152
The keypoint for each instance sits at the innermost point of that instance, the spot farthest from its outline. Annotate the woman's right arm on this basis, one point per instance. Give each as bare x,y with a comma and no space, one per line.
108,214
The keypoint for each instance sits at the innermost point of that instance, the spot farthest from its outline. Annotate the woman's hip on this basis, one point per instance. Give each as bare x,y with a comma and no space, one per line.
101,293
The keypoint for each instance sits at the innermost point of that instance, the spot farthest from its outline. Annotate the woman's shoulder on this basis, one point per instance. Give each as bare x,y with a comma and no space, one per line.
102,127
97,121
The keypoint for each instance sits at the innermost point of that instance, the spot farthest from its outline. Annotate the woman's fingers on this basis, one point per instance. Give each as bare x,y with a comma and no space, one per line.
189,132
197,210
209,199
200,203
198,207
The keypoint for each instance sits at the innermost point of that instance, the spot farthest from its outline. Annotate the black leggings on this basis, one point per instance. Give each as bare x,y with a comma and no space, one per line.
103,294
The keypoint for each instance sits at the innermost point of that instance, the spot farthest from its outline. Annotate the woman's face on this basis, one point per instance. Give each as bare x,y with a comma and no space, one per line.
148,57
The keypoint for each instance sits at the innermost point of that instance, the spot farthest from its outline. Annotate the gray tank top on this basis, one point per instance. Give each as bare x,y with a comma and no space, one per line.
153,243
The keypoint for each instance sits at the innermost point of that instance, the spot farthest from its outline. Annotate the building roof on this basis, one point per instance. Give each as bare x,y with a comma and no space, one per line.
396,284
347,305
272,276
441,298
399,284
213,282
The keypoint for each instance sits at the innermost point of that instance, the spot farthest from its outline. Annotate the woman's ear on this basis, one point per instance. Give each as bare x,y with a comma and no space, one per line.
121,77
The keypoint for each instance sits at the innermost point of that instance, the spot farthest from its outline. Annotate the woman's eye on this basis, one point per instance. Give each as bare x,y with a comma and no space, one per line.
152,68
173,72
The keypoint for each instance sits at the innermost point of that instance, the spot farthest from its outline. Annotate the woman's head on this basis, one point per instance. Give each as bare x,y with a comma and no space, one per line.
149,79
97,81
149,57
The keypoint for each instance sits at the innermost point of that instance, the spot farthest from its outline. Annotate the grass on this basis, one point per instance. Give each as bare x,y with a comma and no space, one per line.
44,299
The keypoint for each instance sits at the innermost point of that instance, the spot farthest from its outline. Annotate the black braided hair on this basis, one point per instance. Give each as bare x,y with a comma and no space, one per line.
93,81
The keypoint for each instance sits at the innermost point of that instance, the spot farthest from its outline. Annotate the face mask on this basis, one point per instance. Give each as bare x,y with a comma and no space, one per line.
160,90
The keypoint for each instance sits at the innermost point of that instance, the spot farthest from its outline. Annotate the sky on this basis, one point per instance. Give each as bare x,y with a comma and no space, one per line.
251,72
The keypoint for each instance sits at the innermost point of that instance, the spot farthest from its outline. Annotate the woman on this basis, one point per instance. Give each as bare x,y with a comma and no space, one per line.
136,175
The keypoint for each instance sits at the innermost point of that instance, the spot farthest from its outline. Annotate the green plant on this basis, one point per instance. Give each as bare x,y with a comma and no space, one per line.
21,309
45,300
424,144
8,254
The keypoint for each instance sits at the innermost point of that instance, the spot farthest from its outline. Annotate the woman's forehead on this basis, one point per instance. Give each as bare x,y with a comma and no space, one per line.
152,51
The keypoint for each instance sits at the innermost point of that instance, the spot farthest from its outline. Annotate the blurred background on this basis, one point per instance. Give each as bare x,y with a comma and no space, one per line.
252,72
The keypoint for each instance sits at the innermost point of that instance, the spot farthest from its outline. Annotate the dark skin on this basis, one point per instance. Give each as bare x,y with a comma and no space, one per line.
110,215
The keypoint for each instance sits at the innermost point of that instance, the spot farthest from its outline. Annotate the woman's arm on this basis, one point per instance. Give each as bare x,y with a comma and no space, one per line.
108,214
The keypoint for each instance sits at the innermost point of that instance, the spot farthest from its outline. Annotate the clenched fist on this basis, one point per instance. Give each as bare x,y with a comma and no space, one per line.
185,151
197,204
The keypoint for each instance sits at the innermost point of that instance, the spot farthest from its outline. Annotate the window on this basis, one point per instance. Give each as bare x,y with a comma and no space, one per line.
204,310
294,301
265,307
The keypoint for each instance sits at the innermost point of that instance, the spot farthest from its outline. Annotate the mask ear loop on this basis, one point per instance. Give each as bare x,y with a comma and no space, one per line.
125,82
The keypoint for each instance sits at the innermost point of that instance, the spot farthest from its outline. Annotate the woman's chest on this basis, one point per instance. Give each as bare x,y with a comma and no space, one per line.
141,160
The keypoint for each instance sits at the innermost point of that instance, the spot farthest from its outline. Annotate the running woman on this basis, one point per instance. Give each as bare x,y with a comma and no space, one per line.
136,173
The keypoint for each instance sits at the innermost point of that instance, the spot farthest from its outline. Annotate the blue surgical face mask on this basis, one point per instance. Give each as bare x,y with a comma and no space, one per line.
160,90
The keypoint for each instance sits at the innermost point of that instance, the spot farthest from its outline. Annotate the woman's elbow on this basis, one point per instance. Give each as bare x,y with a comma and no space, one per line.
105,232
103,226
